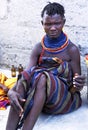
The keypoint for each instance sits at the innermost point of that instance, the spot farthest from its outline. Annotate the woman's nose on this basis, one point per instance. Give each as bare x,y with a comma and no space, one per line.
53,27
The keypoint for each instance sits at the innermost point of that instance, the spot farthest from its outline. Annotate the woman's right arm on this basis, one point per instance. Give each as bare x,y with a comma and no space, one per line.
15,97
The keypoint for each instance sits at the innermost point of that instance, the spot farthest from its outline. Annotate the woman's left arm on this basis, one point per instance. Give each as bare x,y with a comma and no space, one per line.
78,78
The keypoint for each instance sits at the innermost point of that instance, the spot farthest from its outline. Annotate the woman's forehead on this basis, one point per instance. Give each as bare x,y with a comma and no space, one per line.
47,17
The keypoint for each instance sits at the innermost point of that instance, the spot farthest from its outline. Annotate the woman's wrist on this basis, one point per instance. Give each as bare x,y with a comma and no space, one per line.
6,90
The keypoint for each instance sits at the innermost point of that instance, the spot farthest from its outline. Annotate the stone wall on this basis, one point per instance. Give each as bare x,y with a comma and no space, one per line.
20,28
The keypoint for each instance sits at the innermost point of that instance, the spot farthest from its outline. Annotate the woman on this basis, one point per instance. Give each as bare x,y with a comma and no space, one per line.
53,71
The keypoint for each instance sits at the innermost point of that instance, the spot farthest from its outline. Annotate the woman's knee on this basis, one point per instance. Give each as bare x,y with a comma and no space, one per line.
42,82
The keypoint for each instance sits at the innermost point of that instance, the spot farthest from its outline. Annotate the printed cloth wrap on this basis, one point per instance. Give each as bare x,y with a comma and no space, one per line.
8,83
59,99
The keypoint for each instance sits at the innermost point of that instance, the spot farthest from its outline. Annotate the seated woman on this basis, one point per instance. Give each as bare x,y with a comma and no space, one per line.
5,84
54,70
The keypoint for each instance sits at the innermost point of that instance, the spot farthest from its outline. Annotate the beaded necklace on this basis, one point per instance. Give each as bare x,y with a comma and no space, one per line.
57,49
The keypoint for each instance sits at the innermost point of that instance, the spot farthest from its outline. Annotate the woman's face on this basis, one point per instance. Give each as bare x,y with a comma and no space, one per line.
53,24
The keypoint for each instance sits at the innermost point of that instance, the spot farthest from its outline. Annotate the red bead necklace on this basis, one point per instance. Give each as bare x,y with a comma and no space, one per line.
55,49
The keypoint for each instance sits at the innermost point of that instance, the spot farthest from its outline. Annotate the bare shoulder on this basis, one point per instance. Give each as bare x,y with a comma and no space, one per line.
73,49
74,53
37,48
36,51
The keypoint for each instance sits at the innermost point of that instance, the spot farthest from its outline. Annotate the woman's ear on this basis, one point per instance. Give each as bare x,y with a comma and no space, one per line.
41,22
64,20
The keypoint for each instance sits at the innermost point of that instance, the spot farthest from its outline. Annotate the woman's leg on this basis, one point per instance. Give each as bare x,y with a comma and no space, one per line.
39,100
12,119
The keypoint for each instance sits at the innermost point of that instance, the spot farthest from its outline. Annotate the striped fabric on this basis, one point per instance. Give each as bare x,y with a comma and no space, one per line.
59,80
4,102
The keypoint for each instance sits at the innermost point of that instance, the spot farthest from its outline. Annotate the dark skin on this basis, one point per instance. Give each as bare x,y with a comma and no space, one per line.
4,88
53,26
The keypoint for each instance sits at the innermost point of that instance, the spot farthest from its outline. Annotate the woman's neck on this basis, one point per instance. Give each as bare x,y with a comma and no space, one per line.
55,42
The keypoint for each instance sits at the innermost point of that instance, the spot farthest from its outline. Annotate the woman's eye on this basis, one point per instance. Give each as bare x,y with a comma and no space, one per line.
51,24
48,24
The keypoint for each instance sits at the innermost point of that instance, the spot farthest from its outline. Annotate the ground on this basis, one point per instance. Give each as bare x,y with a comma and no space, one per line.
77,120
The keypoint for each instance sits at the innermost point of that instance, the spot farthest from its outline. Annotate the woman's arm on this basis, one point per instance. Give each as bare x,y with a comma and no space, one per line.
33,60
4,88
15,96
78,79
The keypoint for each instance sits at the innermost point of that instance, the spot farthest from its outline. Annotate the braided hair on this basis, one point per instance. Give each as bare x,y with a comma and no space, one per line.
53,8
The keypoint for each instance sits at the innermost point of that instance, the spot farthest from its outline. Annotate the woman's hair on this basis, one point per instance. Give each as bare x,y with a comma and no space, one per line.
53,8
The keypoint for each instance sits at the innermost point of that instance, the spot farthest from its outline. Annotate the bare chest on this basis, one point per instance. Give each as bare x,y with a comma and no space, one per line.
64,55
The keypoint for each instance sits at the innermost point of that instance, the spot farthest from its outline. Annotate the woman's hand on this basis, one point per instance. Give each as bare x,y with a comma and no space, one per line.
78,81
16,100
4,88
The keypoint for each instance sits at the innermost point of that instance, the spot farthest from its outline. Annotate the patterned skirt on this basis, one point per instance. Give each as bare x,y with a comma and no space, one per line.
59,99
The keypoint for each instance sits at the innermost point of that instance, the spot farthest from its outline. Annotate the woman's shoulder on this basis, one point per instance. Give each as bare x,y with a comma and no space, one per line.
37,48
72,47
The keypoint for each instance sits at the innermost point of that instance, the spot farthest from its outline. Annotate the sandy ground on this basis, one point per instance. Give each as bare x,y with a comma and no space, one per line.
77,120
